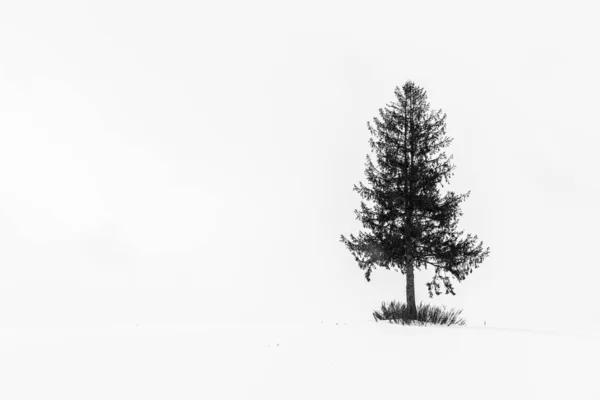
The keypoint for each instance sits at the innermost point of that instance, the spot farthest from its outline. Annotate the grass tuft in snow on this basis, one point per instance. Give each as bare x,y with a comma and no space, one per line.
396,312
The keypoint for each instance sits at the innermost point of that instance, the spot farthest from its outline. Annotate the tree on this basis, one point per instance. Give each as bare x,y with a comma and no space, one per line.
409,223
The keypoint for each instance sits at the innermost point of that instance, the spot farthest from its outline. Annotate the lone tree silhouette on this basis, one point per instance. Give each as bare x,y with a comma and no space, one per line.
409,223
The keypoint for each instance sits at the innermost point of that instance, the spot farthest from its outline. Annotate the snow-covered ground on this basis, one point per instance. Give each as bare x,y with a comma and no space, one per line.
323,360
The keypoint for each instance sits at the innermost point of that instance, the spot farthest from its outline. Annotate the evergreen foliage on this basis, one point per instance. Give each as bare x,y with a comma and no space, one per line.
409,223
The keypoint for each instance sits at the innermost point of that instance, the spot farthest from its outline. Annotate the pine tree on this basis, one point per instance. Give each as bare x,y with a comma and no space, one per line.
409,223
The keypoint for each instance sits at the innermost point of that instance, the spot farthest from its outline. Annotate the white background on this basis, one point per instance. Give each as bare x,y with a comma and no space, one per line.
175,162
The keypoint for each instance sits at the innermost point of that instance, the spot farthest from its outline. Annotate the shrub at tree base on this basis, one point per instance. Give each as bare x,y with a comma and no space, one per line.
397,312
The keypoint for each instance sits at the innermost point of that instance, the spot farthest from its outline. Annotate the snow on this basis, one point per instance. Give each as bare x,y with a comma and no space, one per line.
321,360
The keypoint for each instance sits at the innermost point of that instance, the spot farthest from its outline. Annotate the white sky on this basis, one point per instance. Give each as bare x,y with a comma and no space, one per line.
181,161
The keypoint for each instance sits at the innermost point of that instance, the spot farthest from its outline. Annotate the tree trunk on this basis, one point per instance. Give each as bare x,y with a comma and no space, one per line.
410,292
408,171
